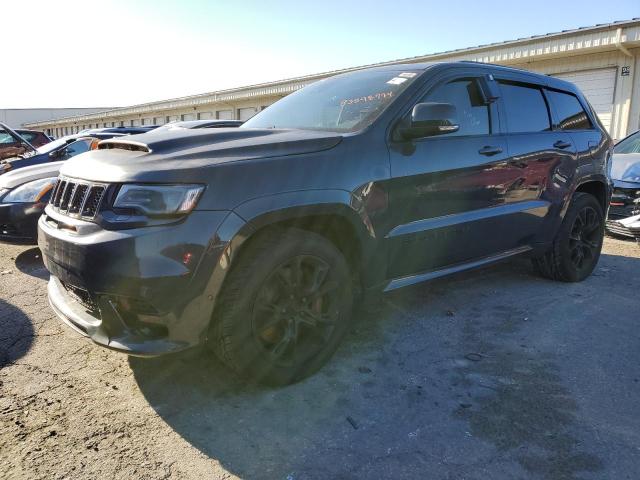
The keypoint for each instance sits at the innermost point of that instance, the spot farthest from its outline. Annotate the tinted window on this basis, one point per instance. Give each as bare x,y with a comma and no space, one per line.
526,108
77,148
571,115
473,113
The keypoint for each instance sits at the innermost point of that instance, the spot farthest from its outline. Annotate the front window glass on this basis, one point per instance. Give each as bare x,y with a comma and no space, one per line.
472,111
344,103
630,144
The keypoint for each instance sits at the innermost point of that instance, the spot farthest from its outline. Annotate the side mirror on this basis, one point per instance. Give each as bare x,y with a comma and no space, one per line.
428,119
58,153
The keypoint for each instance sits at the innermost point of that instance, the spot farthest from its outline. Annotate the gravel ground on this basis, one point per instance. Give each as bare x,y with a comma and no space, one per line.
493,374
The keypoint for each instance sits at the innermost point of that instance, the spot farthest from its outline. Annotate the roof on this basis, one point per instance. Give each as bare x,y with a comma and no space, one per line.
289,85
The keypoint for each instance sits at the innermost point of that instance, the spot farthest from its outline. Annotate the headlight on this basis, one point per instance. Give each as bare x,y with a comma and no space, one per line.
34,191
159,199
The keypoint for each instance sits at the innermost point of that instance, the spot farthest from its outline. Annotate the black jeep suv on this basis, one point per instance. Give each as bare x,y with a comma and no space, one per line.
257,239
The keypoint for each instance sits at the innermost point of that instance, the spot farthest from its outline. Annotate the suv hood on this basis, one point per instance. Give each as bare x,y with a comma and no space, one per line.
625,167
148,157
14,178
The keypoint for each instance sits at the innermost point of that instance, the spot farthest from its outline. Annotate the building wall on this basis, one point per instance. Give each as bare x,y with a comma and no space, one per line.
19,117
216,110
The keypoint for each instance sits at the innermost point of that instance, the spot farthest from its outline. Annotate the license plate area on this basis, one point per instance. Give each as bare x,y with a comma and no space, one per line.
82,296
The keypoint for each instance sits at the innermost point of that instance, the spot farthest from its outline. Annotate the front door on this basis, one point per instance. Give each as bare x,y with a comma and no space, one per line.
448,191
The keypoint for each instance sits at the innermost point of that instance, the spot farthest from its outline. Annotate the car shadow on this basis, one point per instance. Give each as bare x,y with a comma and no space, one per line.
30,262
257,431
414,387
16,333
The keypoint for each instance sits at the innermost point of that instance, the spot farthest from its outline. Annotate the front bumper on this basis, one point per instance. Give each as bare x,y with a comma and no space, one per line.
19,222
628,227
145,291
625,203
106,327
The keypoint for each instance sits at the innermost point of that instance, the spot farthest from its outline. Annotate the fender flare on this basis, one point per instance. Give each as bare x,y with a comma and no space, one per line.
251,216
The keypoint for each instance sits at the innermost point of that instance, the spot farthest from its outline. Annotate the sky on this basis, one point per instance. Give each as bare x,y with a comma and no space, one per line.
123,52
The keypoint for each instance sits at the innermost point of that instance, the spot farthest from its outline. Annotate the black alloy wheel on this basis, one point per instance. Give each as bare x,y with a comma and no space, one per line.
284,308
585,242
295,311
575,251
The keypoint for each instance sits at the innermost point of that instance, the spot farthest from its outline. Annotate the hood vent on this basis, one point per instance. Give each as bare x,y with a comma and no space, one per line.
123,145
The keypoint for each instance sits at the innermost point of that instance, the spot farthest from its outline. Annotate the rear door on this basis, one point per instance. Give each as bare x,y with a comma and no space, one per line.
546,156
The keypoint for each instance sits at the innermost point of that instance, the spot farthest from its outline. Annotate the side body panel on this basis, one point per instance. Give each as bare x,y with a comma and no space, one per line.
452,203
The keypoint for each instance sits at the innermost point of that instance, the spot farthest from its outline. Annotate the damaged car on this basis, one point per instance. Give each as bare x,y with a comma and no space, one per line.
14,143
258,240
625,174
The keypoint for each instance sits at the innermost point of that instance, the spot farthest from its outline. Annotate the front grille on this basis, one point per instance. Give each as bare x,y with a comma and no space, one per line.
8,229
77,198
82,296
92,202
625,202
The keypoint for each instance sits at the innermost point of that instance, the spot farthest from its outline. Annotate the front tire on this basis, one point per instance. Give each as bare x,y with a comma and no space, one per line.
577,246
284,308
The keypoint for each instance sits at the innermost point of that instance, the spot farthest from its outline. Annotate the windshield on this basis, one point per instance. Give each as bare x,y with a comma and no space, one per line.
345,103
630,144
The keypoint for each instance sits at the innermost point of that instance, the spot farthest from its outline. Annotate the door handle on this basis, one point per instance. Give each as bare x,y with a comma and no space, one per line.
561,144
489,150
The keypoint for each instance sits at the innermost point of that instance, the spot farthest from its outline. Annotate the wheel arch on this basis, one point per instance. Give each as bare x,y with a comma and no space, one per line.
329,213
598,187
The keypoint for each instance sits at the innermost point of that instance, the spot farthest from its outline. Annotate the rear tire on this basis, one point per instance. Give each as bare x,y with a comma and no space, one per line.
284,308
577,246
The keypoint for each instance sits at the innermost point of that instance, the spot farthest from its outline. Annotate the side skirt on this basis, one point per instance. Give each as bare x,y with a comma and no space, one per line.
423,277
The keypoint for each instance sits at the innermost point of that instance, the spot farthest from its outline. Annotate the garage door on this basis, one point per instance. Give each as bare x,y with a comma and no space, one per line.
246,113
598,86
225,114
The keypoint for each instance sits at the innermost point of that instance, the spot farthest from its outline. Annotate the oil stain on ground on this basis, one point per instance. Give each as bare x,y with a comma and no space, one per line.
518,403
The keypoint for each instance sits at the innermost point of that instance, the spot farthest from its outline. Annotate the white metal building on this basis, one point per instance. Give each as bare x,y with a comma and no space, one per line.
603,60
19,117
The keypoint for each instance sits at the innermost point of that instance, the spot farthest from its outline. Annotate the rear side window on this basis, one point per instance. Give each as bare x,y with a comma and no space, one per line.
473,113
525,107
571,115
